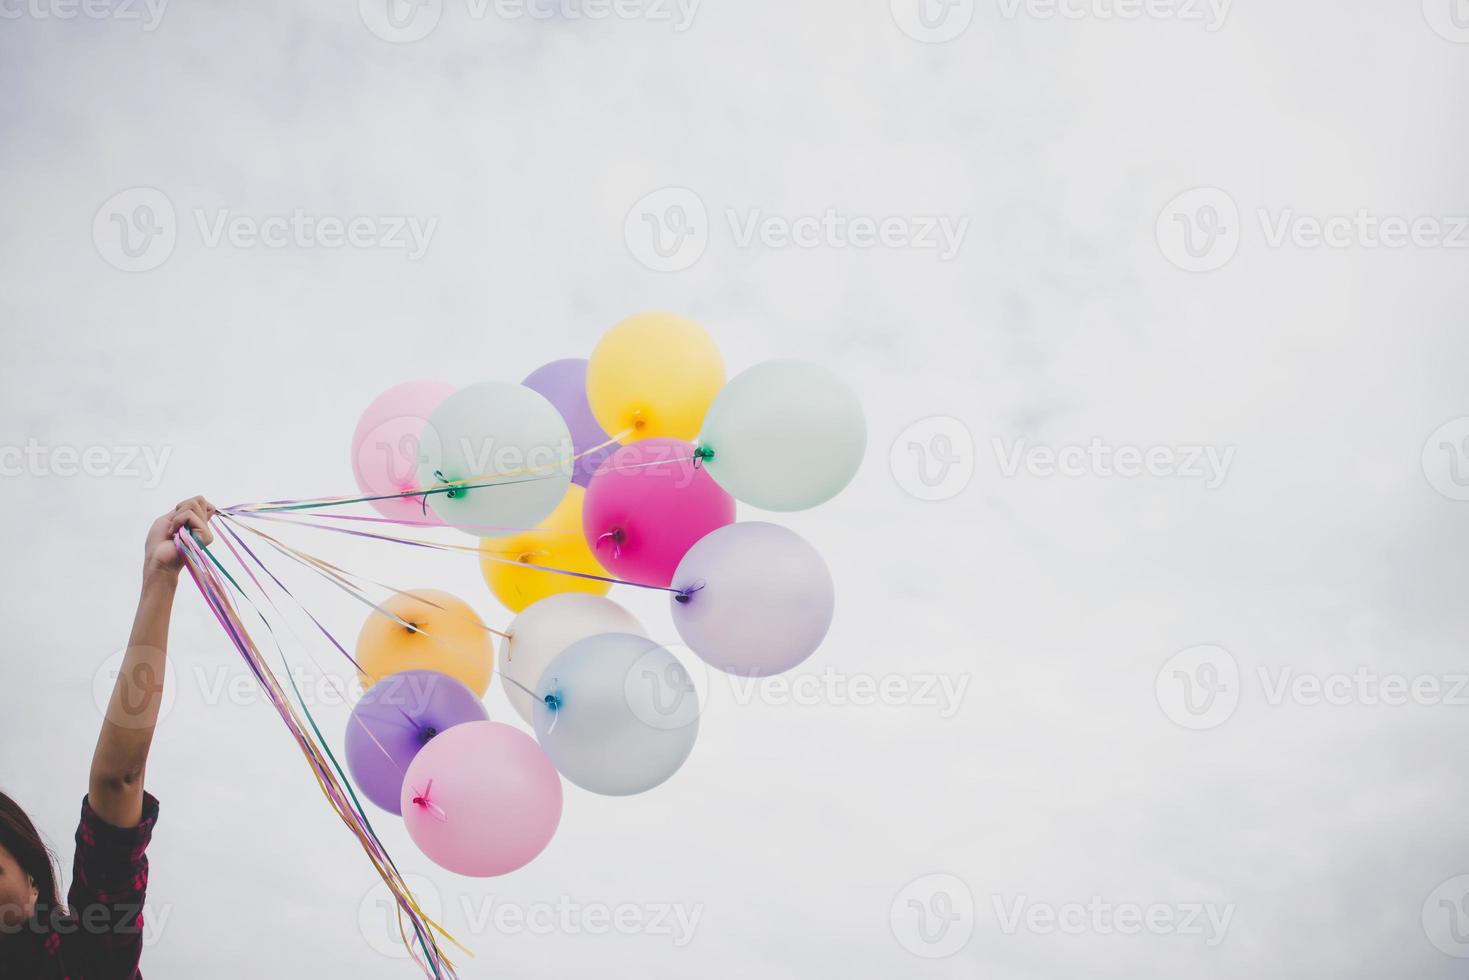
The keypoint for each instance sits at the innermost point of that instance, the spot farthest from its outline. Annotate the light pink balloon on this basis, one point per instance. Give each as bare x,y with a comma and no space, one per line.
481,799
646,506
389,439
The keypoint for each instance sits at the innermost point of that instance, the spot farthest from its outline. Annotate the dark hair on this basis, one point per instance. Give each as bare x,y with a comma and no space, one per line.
18,836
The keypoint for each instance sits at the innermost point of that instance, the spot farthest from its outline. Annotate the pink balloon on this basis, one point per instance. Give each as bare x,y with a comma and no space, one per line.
481,799
646,506
388,441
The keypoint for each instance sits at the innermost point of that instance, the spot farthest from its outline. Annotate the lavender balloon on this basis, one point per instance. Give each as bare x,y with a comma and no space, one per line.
564,384
397,717
754,599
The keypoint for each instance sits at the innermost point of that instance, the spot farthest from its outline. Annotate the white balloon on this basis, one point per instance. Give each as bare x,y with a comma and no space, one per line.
545,628
618,713
501,434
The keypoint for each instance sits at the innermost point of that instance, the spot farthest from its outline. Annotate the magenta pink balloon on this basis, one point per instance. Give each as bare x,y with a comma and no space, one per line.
481,799
388,443
646,506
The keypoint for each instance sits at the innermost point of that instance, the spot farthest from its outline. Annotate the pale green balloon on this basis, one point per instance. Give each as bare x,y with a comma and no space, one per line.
784,435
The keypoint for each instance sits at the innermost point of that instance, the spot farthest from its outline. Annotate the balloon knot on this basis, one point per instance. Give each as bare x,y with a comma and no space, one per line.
702,455
616,536
422,800
684,595
452,491
429,733
553,701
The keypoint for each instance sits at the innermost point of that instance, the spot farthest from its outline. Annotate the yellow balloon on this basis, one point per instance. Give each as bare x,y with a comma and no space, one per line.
509,564
654,374
443,634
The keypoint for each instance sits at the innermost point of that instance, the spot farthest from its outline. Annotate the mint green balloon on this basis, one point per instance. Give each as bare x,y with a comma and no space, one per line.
784,435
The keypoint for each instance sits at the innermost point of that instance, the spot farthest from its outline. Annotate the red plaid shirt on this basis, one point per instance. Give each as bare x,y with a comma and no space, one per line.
101,936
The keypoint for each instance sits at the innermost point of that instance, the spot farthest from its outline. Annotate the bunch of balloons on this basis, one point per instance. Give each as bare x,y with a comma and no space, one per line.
621,469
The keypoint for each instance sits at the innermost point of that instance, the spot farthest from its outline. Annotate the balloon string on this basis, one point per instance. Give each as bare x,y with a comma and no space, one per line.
341,578
321,771
299,522
451,487
229,532
327,772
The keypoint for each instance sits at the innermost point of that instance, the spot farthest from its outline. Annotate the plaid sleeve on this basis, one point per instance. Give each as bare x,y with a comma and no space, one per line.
108,883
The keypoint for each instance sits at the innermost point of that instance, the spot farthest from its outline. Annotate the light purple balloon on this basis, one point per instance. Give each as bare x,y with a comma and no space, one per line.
395,718
564,384
756,599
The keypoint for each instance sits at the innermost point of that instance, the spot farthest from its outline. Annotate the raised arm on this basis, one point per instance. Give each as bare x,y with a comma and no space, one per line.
116,785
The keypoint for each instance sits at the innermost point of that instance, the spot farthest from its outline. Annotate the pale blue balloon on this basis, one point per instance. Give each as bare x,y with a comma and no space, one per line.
617,713
509,446
784,435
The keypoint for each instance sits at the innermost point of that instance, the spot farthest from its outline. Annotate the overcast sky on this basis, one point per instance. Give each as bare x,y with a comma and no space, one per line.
1217,247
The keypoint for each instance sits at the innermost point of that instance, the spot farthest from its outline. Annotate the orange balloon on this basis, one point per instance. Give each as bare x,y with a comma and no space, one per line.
443,634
